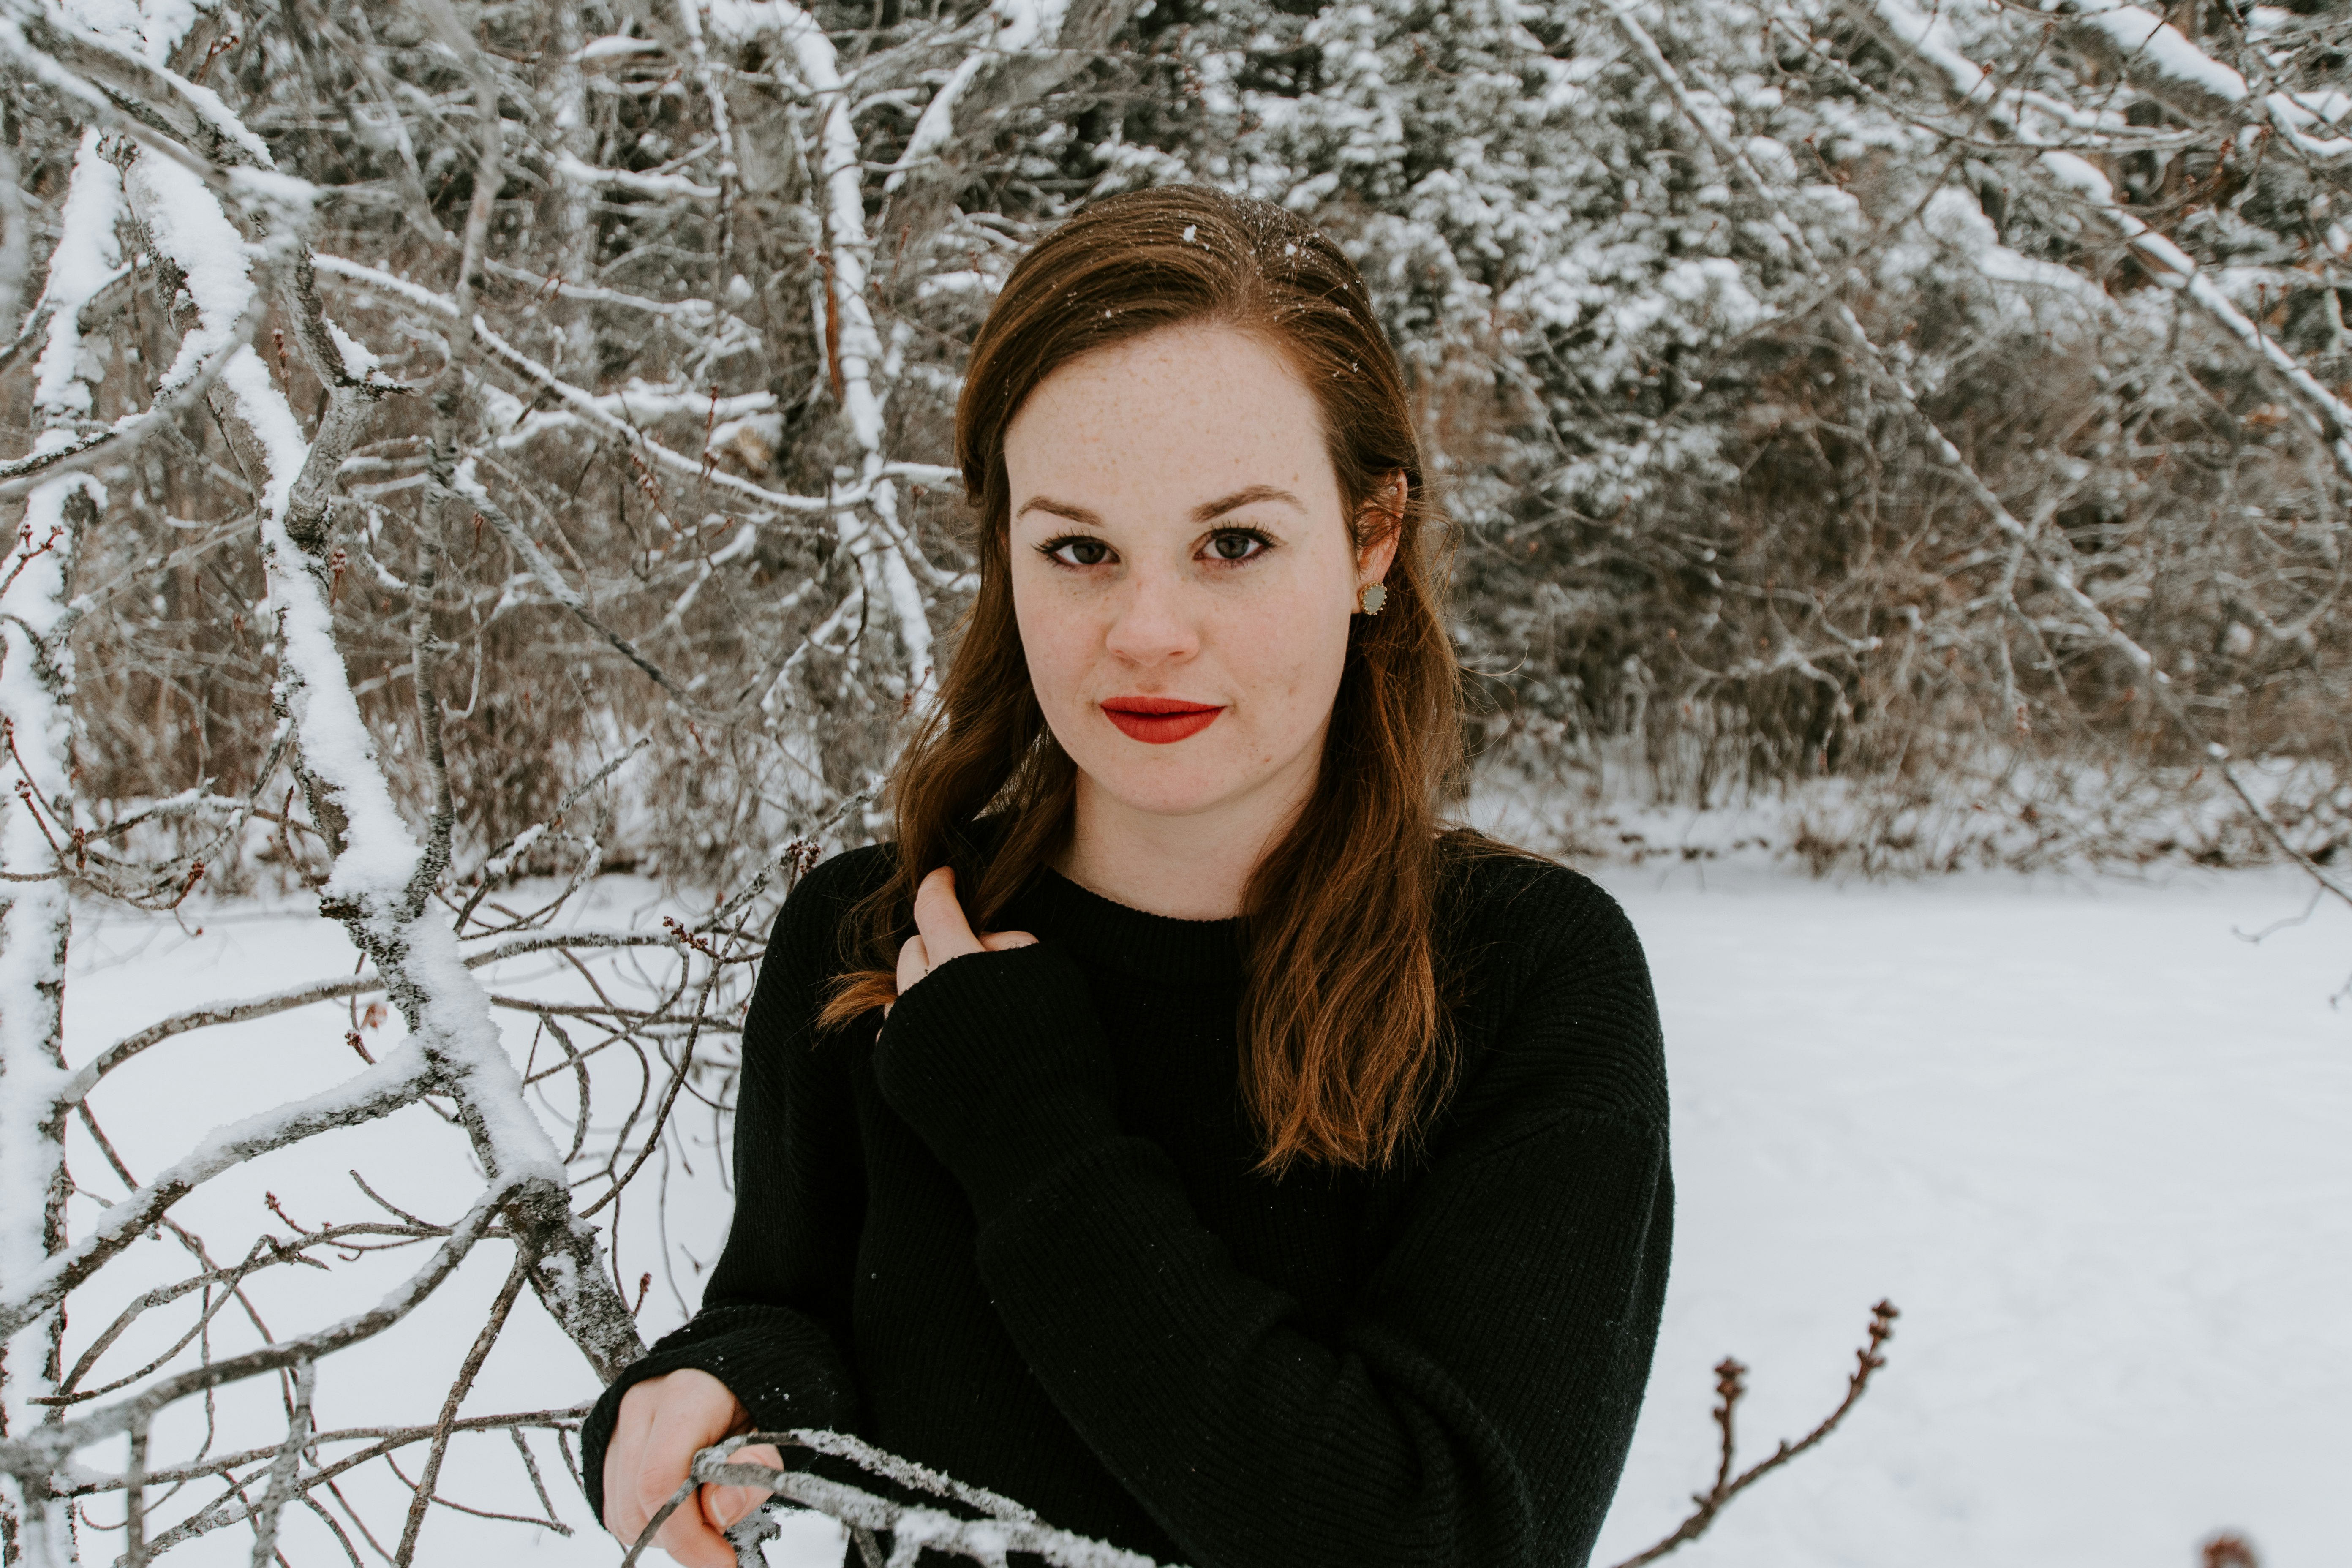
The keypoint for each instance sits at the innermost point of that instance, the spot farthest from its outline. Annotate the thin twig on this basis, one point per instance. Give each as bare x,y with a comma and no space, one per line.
481,1352
1729,1387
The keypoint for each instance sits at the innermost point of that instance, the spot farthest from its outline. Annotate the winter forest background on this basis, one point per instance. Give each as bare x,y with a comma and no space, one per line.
478,478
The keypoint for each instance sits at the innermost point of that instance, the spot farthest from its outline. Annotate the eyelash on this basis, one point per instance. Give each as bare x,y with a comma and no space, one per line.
1050,547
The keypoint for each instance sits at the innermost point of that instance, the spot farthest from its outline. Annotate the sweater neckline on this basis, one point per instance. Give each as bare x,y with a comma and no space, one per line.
1199,953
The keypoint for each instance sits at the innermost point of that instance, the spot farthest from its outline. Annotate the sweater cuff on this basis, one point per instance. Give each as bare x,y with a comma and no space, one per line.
783,1371
998,1060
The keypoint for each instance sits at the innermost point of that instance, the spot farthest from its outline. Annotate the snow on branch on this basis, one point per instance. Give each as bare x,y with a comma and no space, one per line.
2156,57
1002,1525
609,414
213,286
1928,41
656,185
852,345
390,1084
156,96
188,385
2328,417
45,1450
2054,559
1007,27
36,670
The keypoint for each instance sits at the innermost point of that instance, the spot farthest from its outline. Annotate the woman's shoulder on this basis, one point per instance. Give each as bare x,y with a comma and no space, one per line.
810,929
846,876
1494,893
814,917
1554,997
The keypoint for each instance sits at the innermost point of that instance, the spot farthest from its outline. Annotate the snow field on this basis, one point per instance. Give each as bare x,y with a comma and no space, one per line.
2090,1141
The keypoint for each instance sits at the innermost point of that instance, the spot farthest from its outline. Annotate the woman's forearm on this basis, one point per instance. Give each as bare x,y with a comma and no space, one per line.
1474,1407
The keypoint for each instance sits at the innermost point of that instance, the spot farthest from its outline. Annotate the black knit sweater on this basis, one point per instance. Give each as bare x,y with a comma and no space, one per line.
1030,1251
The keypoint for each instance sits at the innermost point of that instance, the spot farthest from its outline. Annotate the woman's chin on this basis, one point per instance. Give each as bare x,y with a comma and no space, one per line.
1226,766
1146,790
1153,803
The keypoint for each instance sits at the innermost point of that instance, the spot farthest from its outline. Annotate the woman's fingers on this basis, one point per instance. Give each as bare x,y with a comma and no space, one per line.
940,920
681,1432
944,932
624,1515
688,1538
914,962
722,1506
663,1422
915,958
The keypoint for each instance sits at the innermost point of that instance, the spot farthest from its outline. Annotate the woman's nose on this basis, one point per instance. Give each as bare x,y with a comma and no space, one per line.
1152,620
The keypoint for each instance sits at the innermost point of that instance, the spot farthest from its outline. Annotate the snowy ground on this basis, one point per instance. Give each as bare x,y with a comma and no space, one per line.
2089,1140
2091,1143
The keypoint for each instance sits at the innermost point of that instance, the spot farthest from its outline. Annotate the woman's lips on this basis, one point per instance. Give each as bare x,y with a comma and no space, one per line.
1158,720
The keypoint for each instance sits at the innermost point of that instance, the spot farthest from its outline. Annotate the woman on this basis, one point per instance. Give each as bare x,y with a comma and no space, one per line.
1246,1171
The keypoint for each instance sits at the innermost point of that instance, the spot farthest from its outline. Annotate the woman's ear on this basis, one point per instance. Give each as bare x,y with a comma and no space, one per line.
1383,517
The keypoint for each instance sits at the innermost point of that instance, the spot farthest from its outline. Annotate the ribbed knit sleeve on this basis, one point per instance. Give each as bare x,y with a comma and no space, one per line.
999,1104
774,1321
1473,1403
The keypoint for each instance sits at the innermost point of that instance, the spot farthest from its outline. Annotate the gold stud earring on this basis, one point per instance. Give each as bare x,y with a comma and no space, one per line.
1372,597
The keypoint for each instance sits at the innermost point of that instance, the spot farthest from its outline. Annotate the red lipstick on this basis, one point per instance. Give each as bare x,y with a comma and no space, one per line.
1158,720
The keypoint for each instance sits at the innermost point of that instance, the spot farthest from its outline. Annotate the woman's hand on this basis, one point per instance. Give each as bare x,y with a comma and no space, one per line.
1001,1067
943,932
663,1423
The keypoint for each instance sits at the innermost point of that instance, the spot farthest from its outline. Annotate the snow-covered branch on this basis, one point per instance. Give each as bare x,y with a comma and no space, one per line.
1927,40
1002,1525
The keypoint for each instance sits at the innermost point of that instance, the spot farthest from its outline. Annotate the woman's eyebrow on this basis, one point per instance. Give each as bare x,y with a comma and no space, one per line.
1205,512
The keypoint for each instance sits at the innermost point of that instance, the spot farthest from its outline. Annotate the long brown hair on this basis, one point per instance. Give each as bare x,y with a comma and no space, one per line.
1345,1050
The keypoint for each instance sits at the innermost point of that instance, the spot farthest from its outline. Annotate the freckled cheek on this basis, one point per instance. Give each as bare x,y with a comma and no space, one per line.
1287,675
1059,642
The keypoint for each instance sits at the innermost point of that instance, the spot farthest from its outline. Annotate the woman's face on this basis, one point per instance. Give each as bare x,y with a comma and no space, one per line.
1178,541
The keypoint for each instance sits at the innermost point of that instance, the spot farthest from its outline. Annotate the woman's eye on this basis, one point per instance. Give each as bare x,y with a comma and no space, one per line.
1238,546
1080,548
